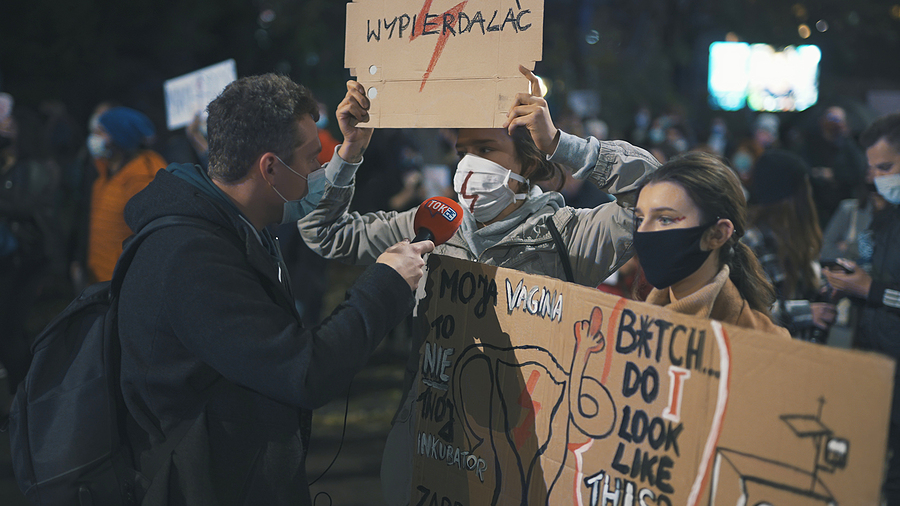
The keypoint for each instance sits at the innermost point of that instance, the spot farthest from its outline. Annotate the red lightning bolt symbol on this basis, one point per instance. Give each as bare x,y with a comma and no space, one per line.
419,28
465,185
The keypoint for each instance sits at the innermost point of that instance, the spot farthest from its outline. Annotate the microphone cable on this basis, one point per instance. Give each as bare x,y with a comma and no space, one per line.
340,445
343,432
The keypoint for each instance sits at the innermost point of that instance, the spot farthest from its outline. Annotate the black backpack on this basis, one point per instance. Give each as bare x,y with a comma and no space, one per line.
67,420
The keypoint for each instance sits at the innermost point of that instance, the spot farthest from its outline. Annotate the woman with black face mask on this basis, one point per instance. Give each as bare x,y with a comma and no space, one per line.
690,216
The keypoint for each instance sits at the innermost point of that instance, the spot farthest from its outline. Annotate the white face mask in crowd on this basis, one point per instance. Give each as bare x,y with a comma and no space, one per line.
97,146
483,187
889,187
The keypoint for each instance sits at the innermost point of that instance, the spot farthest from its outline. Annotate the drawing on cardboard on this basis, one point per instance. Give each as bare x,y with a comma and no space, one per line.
741,478
602,401
579,398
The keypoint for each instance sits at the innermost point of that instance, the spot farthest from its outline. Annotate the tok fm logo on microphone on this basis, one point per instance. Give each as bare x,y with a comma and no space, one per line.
438,207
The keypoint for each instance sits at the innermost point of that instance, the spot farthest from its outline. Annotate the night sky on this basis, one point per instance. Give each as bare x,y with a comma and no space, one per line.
631,51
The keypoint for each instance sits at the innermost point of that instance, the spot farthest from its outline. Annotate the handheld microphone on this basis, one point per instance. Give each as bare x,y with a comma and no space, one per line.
437,219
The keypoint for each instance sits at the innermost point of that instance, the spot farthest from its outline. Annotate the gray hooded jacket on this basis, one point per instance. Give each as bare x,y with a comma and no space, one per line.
598,241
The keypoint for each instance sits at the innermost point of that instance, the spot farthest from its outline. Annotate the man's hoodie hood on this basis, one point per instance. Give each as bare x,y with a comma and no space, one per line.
186,190
198,177
168,195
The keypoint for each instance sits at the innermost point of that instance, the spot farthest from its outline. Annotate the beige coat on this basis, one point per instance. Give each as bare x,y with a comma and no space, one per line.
719,300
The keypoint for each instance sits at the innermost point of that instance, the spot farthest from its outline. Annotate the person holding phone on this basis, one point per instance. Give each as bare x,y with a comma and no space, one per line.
878,291
784,234
836,265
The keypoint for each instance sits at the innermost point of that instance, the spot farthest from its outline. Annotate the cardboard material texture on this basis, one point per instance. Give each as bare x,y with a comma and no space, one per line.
442,63
535,391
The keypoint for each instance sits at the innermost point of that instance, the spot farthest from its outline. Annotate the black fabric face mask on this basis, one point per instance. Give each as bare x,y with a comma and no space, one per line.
668,256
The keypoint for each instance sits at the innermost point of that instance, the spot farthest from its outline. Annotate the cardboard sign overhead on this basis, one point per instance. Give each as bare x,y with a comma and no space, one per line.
442,63
189,94
535,391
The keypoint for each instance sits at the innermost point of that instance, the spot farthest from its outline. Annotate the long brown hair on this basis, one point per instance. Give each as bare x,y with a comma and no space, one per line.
535,165
716,190
795,226
791,217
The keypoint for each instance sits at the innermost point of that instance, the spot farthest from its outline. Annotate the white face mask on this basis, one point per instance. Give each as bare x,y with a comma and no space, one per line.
97,146
483,187
889,187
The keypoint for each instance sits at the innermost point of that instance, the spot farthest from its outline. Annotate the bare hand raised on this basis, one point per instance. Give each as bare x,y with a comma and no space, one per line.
531,111
406,258
352,111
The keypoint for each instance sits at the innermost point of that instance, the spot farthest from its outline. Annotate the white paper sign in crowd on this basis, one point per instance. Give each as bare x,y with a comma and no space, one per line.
189,94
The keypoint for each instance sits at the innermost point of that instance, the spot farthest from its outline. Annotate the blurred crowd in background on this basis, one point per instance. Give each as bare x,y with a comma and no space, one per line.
64,186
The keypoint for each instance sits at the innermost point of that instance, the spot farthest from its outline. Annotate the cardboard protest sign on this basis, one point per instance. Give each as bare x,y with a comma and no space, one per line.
189,94
442,63
535,391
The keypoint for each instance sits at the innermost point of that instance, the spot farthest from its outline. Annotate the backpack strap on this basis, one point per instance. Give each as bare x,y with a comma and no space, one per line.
562,250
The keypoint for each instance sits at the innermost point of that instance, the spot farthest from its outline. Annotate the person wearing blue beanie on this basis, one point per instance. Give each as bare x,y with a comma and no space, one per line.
129,129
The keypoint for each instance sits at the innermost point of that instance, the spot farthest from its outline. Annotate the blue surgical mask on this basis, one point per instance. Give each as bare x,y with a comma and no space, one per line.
889,187
742,163
295,210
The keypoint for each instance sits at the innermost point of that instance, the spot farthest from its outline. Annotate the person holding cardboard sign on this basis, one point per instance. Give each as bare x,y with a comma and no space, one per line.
690,216
508,220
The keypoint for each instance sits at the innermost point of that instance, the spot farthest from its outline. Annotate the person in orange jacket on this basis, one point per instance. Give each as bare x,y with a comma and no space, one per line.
125,166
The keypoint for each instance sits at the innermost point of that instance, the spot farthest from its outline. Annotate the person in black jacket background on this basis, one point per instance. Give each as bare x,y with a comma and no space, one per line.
879,291
213,350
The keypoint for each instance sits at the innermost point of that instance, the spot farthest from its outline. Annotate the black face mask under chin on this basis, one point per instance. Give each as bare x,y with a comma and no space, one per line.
668,256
